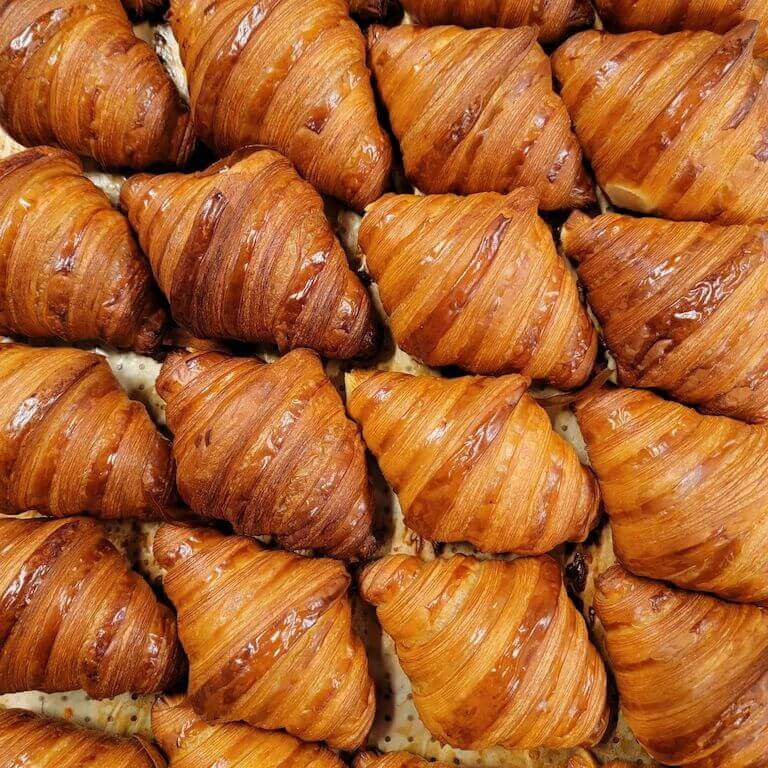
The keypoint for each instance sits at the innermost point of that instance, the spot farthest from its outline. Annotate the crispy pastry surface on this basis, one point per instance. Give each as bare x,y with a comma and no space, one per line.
393,760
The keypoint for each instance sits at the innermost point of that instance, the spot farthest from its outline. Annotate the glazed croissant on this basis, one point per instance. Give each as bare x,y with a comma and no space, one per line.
583,759
692,671
70,266
474,111
495,651
686,493
34,741
73,442
674,125
191,743
290,74
682,306
243,251
74,74
393,760
474,459
268,635
75,616
476,282
270,449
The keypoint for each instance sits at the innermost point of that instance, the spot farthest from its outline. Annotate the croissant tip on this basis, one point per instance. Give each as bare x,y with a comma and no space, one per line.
374,33
174,542
357,376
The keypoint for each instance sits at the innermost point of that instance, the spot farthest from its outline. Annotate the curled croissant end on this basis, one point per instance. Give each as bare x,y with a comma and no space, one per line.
478,114
682,306
74,74
477,282
474,459
73,442
495,651
71,267
690,144
393,760
270,449
686,493
288,659
692,671
109,636
243,251
291,76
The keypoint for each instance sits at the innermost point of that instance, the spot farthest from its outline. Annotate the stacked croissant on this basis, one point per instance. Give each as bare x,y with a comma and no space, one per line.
462,136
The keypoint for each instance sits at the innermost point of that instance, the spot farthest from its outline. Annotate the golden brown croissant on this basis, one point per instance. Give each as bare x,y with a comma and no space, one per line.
69,265
290,74
474,459
269,636
474,111
683,306
674,125
393,760
243,251
145,9
495,651
73,442
583,759
190,742
692,671
477,282
270,449
33,741
74,74
74,615
686,493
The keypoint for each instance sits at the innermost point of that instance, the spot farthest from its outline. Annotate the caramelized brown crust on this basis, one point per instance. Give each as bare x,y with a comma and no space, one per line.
683,306
290,74
375,10
243,251
268,635
686,493
495,651
73,442
33,741
393,760
474,111
69,265
74,615
145,9
477,282
74,74
674,125
474,459
692,671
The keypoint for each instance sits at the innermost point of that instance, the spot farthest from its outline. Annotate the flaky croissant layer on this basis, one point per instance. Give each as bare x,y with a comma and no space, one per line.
393,760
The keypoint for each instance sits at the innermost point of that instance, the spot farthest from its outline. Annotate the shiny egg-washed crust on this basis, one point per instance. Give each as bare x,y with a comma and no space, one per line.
496,652
692,671
582,759
243,250
674,125
477,282
393,760
686,493
268,635
69,264
74,615
270,449
474,111
683,306
72,440
290,74
474,459
74,74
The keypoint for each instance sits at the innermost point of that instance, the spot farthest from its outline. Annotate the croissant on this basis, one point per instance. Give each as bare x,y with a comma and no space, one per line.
474,111
495,651
393,760
476,282
554,20
290,74
33,741
268,635
682,306
145,9
243,251
674,125
686,493
583,759
474,459
692,671
74,74
375,10
191,743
